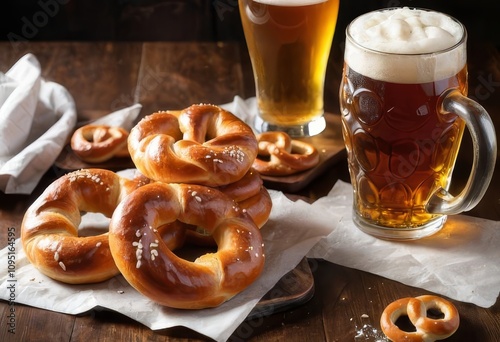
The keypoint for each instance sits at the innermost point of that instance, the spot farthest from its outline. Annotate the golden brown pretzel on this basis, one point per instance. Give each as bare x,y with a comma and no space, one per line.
427,329
202,144
251,196
279,155
258,207
49,230
98,143
435,329
149,265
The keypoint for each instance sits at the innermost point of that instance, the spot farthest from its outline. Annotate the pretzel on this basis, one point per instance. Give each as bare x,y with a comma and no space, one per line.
427,329
98,143
136,241
251,196
279,155
202,144
49,231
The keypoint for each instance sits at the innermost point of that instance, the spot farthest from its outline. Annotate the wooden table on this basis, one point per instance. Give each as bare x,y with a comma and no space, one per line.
103,77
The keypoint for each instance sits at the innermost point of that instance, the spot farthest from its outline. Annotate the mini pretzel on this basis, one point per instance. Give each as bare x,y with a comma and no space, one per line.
136,234
98,143
49,231
427,329
202,144
279,155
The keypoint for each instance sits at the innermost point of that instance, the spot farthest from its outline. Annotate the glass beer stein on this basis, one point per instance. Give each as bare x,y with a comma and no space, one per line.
404,109
289,43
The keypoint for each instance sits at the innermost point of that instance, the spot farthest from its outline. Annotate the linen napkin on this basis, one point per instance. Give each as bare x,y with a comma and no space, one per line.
36,117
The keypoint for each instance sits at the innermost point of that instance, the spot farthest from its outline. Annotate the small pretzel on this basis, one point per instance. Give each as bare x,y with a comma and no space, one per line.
427,329
279,155
98,143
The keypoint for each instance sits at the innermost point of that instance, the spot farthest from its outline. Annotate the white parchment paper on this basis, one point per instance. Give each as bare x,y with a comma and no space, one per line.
461,261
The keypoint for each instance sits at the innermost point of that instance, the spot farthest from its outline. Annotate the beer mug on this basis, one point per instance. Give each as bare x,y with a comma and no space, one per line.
289,43
404,109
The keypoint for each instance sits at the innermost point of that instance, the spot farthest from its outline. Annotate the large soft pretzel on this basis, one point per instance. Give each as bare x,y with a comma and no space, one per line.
427,329
202,144
98,143
136,236
279,155
251,196
49,230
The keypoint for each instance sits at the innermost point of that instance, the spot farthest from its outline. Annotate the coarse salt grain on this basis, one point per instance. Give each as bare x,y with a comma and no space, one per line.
62,265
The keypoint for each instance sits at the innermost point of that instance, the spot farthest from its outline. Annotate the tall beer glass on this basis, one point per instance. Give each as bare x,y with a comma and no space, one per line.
404,109
289,43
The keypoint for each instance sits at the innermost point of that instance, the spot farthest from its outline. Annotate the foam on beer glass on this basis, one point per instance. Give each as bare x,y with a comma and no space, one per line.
409,32
289,43
404,110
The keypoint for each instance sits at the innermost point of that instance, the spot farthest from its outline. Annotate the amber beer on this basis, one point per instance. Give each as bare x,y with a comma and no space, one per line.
289,43
401,147
401,150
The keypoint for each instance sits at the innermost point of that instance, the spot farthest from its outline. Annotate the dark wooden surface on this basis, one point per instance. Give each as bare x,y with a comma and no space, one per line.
105,76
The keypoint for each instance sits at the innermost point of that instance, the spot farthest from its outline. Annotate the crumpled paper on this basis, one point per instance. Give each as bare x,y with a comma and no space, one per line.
124,118
288,236
461,261
36,117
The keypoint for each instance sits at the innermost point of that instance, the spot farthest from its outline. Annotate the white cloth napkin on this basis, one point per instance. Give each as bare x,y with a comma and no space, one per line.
36,117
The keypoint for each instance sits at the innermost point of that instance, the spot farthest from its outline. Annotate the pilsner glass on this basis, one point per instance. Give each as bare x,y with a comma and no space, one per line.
289,43
404,109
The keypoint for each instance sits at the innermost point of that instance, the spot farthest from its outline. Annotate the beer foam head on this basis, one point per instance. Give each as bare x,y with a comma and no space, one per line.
405,45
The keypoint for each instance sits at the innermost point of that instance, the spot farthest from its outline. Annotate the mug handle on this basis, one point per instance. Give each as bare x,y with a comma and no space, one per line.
485,152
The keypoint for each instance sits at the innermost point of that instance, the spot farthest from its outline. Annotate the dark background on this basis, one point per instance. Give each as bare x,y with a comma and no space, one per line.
215,20
193,20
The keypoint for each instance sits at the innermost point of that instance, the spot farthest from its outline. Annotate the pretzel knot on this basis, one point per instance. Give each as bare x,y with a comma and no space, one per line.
427,329
279,155
98,143
202,144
